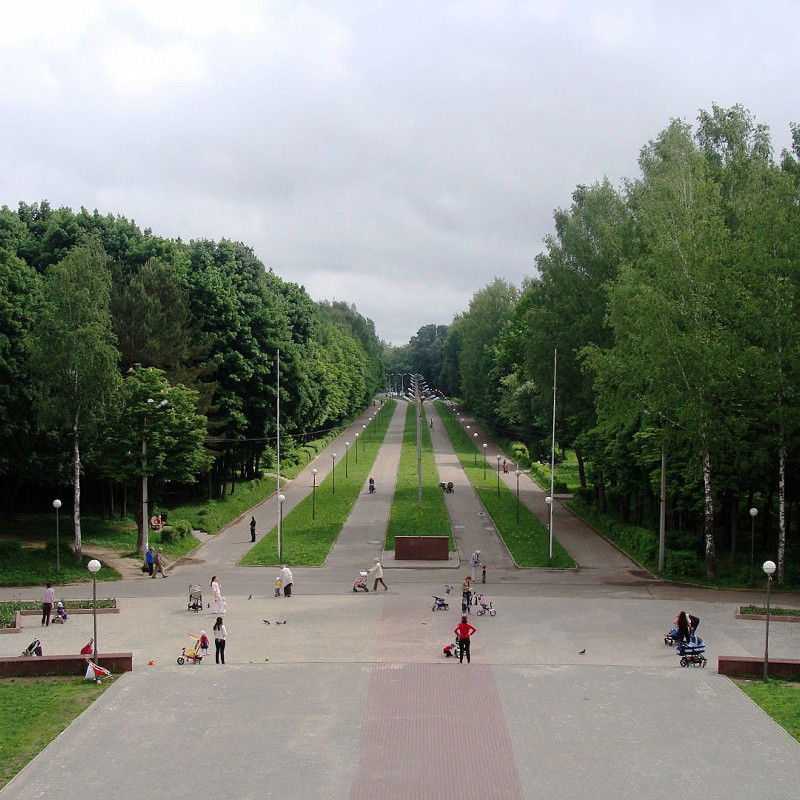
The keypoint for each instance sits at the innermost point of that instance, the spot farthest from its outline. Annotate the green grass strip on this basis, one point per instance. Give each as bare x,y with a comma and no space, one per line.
526,540
778,699
407,518
9,608
309,531
34,712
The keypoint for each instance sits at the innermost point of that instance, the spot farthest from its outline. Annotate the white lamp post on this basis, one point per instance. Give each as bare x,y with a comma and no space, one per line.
356,443
94,567
314,495
333,471
346,458
475,460
549,501
769,569
281,501
56,506
498,457
484,460
518,472
753,515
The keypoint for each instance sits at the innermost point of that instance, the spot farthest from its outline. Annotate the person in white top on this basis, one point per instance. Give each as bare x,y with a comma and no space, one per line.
377,571
217,590
48,598
220,638
475,563
286,581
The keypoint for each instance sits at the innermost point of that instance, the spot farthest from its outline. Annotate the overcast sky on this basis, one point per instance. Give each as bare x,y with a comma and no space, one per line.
396,155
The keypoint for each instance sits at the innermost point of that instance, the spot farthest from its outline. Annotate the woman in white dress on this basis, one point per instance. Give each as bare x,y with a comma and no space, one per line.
217,590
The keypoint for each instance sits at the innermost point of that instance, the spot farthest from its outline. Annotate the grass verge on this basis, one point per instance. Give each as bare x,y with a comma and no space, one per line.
778,699
527,539
9,608
309,531
407,518
34,712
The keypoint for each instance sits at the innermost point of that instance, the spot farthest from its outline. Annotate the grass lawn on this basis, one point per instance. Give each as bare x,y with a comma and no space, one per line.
309,531
526,540
778,699
407,518
34,711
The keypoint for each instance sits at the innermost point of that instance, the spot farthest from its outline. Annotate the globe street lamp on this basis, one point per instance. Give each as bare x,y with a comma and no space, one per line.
356,448
518,472
333,471
281,501
549,501
475,460
346,458
769,568
314,495
484,460
94,567
56,506
753,515
498,474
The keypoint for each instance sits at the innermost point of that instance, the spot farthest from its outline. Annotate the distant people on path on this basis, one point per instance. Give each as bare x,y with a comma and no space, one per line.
278,586
286,581
463,632
217,591
377,571
48,598
150,560
475,564
505,466
220,638
252,529
203,643
159,564
372,485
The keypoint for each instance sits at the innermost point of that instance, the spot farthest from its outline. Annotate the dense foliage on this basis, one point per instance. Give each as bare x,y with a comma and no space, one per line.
123,354
673,306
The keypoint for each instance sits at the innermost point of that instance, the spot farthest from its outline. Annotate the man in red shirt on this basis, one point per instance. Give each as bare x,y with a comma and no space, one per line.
463,631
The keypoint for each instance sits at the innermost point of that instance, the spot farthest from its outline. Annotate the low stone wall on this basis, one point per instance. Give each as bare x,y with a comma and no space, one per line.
37,612
36,666
750,667
421,548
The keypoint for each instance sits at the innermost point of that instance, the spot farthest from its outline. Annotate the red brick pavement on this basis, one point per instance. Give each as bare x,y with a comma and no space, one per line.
431,730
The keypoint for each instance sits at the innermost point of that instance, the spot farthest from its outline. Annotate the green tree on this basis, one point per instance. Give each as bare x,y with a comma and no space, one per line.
73,354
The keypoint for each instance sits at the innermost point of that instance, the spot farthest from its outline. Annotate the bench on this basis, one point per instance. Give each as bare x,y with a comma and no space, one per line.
36,666
753,667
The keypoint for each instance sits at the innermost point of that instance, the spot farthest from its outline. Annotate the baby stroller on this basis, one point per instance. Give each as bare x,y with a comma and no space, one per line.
33,649
439,604
191,653
485,608
195,598
61,613
361,582
692,652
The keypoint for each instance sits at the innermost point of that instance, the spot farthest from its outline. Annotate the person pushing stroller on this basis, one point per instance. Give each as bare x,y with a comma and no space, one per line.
377,571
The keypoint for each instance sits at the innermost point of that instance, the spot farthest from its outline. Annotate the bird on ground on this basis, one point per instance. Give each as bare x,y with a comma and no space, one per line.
582,652
250,597
267,621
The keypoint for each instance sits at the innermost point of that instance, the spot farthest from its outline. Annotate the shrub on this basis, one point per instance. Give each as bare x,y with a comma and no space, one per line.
681,562
10,548
519,453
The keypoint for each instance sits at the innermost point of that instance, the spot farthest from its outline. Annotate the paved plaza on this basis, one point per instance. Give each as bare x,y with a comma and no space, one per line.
571,692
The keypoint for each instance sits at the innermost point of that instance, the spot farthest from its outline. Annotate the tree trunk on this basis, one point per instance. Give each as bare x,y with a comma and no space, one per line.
708,519
76,482
581,468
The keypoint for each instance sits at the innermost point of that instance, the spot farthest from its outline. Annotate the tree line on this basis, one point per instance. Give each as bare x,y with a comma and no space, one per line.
123,353
672,302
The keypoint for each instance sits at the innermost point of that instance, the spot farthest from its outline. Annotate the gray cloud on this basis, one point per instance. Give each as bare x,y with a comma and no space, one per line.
394,155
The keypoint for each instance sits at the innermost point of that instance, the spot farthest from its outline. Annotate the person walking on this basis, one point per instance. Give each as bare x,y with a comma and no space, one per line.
150,560
475,564
286,581
466,595
217,590
252,529
377,571
48,598
220,638
159,564
463,632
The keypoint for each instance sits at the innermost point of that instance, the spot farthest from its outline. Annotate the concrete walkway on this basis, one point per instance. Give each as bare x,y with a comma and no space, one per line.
571,692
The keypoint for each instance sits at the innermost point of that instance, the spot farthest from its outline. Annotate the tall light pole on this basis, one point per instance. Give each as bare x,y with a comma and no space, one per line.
475,460
281,501
549,501
769,568
56,506
753,515
498,474
346,458
333,471
553,457
94,567
151,406
314,495
484,460
356,448
518,472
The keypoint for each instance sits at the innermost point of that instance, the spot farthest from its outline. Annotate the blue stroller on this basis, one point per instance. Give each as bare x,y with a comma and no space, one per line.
439,604
691,652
